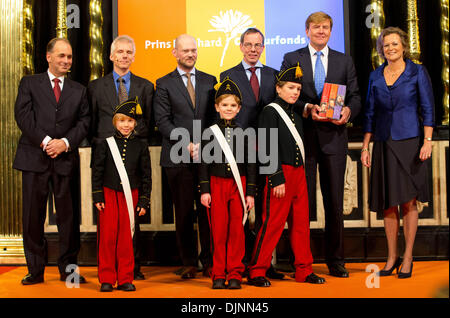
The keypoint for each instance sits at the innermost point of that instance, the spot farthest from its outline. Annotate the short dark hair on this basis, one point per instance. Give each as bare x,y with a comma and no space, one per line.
52,42
251,31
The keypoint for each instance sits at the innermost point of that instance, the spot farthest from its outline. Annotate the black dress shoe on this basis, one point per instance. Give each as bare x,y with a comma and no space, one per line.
314,279
234,284
273,274
388,272
259,281
189,272
31,280
219,284
126,287
74,277
106,287
405,275
139,276
338,271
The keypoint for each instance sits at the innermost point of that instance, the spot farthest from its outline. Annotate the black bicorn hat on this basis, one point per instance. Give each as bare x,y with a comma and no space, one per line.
292,74
227,87
130,107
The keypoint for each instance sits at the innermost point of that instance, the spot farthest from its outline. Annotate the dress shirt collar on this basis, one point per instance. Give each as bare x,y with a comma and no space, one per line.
247,66
126,77
51,76
181,72
312,50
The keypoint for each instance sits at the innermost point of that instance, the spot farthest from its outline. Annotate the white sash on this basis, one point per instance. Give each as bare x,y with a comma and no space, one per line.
291,127
232,161
123,178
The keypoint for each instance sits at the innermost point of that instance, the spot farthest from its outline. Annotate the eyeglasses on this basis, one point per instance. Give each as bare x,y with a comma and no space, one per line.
257,46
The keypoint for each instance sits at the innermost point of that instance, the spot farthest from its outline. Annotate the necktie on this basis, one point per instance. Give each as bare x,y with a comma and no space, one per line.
319,74
123,95
57,89
254,82
190,89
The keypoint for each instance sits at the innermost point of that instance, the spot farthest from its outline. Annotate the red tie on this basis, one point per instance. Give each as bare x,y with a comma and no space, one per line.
57,89
254,82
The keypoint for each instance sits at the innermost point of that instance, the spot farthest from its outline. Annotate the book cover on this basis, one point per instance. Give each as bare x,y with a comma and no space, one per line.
332,100
339,101
324,100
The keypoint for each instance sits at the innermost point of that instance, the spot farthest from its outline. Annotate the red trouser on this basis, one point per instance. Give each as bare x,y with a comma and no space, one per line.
227,231
293,208
115,244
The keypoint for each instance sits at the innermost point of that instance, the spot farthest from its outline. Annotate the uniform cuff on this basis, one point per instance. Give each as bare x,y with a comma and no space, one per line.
276,179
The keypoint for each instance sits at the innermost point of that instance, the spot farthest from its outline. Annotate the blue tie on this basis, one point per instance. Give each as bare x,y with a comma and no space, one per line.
319,74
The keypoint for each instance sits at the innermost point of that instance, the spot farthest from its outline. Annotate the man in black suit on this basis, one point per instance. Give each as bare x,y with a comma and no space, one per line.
326,141
105,94
257,84
52,112
182,96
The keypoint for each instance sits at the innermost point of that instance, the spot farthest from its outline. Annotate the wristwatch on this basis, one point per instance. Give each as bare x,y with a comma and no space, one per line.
428,138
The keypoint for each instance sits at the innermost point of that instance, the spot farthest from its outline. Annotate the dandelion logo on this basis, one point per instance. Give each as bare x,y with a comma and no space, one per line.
232,24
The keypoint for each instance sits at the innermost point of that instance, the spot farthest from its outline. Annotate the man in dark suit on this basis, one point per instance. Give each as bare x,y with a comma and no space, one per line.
52,112
182,96
105,94
326,141
257,84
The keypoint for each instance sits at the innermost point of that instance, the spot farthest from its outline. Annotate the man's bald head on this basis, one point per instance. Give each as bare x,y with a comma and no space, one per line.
185,51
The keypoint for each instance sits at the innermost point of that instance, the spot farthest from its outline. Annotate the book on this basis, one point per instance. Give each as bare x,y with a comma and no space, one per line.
332,101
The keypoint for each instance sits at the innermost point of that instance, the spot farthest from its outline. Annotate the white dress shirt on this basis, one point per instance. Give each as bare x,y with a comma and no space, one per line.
61,84
184,78
257,72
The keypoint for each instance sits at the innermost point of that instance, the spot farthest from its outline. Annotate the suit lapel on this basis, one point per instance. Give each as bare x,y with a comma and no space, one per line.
179,84
305,62
46,87
110,91
66,91
266,78
134,86
243,82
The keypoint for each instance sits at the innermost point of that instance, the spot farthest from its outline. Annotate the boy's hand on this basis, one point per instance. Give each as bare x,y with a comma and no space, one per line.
141,211
205,199
250,202
100,206
279,191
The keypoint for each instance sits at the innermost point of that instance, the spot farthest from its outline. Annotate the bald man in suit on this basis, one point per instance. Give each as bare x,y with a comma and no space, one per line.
182,96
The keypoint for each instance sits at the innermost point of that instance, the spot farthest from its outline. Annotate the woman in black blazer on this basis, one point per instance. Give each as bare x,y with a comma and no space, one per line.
399,116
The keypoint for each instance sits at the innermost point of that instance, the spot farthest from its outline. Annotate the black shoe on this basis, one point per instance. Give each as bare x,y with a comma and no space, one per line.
273,274
126,287
219,284
405,275
314,279
139,276
234,284
338,270
31,280
189,272
388,272
259,281
106,287
74,277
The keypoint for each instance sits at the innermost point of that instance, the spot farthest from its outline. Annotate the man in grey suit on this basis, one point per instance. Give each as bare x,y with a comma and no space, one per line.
182,96
326,141
257,84
105,94
52,113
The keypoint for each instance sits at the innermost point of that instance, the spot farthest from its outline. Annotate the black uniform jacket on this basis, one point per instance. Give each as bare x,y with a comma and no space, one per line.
287,149
136,158
222,169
